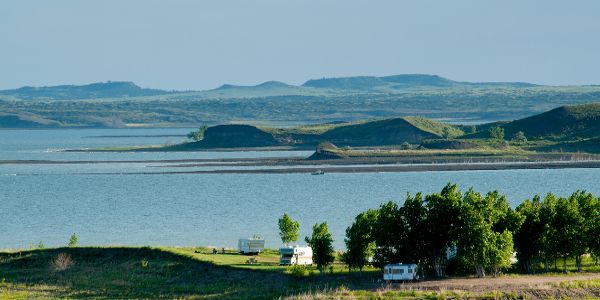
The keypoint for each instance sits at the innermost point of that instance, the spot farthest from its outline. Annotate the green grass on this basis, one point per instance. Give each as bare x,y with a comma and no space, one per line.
433,126
170,273
195,273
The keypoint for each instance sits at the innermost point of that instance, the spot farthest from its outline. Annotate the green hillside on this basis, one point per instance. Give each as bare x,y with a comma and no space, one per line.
382,132
562,123
371,133
25,121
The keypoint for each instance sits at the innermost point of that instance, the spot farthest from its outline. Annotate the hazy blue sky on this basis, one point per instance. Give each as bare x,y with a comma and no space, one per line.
202,44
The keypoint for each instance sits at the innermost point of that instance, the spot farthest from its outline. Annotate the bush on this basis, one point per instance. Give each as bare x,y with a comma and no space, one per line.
496,133
297,271
144,263
61,262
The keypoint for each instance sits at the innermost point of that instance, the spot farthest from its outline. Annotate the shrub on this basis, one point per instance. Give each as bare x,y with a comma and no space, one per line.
297,271
496,133
144,263
61,262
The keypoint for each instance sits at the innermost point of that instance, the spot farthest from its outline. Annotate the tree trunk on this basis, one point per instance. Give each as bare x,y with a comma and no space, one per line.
480,271
546,264
437,266
564,264
578,262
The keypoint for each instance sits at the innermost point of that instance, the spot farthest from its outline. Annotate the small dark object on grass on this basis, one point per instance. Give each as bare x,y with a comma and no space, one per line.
223,250
214,251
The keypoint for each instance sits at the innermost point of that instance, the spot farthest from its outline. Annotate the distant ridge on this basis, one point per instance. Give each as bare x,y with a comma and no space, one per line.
401,82
335,85
110,89
267,85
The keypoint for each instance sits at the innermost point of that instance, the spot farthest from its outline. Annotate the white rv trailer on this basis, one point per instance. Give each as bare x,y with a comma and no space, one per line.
296,255
251,246
400,272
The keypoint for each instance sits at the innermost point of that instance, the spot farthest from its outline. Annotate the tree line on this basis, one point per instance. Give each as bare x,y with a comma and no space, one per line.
470,232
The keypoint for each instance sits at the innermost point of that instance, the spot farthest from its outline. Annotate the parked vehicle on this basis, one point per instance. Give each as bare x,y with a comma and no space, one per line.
296,255
251,246
400,272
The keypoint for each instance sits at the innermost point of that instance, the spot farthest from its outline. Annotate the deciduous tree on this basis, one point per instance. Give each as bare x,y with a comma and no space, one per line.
288,229
359,240
321,242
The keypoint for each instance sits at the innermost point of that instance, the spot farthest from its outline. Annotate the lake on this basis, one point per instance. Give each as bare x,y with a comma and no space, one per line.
105,205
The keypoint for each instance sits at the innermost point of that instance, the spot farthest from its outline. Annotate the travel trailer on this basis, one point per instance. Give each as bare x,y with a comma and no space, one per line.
296,255
251,246
400,272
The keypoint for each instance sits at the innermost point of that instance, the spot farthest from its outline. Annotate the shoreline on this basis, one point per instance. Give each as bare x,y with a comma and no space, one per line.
388,169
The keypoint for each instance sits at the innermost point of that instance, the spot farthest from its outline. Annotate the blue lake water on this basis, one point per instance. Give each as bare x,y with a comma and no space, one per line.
48,203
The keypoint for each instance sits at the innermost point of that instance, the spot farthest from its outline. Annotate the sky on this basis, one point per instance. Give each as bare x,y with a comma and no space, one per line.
196,45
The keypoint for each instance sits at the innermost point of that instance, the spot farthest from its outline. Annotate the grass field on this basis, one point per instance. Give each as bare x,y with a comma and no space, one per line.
195,273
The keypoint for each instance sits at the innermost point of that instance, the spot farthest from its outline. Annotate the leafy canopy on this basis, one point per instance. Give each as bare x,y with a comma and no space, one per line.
321,242
288,229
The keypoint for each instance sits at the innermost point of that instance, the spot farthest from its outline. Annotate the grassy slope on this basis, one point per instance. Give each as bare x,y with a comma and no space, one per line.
172,272
366,133
117,272
434,127
562,123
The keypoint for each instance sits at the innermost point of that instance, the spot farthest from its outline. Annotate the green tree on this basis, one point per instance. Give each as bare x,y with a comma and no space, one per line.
483,242
321,243
442,223
414,214
528,238
519,137
588,216
197,135
472,129
496,133
388,233
73,240
593,220
288,229
549,236
567,224
359,241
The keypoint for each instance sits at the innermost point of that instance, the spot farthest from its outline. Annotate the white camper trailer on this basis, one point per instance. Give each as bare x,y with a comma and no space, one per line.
296,255
251,246
400,272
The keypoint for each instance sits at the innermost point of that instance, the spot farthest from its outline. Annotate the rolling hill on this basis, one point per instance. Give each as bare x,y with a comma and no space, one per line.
110,89
371,133
562,123
274,103
404,81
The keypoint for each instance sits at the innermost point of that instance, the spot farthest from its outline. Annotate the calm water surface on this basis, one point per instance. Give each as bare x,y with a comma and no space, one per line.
50,202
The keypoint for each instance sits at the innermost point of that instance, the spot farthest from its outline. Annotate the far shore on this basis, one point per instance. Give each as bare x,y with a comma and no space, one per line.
391,168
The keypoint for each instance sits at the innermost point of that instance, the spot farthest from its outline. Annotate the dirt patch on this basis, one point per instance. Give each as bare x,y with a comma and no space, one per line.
528,286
